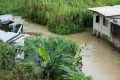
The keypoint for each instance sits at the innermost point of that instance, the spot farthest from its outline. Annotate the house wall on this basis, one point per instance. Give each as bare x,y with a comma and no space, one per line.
99,27
96,26
106,29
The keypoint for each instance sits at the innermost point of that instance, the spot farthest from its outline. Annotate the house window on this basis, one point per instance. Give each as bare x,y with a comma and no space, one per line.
97,19
105,22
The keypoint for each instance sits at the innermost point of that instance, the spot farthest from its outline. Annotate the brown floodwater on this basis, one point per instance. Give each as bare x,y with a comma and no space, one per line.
32,27
100,60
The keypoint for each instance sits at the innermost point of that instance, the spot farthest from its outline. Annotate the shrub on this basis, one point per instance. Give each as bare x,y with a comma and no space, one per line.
87,19
54,42
74,75
50,45
25,71
9,69
56,56
6,75
63,16
10,6
7,56
67,22
36,11
48,56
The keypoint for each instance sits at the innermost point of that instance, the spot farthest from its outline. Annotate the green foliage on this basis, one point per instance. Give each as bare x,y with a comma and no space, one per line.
35,11
11,6
51,66
54,42
63,16
9,69
7,56
54,53
56,58
43,53
50,45
74,75
69,21
31,49
25,71
6,75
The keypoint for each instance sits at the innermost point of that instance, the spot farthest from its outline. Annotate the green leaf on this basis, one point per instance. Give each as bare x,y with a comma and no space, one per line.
42,52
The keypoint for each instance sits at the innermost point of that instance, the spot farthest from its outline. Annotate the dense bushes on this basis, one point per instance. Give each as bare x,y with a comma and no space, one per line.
54,58
11,6
50,44
7,56
36,11
69,21
75,21
9,69
63,16
45,59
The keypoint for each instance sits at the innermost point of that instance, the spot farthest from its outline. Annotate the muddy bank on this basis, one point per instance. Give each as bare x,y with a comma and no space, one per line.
100,60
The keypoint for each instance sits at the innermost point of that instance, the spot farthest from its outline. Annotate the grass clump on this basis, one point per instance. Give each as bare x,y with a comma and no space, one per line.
11,7
7,56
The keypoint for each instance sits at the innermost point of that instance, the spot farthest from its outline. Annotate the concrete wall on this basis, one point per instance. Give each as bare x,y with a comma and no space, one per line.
100,27
105,31
96,26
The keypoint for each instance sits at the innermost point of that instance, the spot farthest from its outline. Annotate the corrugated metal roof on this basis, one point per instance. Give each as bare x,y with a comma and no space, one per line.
107,10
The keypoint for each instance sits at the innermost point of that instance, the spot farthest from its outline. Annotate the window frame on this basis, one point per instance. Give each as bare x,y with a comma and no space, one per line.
105,22
97,19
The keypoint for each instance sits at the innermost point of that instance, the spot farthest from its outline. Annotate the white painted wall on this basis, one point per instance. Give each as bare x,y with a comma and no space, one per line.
96,26
106,29
100,27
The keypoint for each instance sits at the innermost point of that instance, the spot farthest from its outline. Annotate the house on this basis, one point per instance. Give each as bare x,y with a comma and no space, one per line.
106,23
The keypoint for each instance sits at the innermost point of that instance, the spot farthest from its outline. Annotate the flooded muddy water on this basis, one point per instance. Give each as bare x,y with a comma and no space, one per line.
100,60
32,27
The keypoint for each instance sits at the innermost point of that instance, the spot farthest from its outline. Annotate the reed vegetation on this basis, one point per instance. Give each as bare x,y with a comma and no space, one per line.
63,16
60,16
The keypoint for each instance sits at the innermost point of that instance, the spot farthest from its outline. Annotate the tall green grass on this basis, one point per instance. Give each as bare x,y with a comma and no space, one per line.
61,16
11,6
